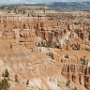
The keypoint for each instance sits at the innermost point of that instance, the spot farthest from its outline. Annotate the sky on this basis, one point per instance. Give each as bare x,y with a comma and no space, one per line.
35,1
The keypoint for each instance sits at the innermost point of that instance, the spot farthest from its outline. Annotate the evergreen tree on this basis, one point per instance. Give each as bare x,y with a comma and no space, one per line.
4,85
6,73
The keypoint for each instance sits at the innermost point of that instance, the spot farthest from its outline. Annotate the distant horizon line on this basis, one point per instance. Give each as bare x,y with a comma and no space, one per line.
44,2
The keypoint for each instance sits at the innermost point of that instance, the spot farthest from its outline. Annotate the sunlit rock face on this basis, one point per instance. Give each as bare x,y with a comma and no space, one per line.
17,31
34,48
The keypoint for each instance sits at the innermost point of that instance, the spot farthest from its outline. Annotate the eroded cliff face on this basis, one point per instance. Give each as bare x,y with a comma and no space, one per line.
25,46
20,56
62,33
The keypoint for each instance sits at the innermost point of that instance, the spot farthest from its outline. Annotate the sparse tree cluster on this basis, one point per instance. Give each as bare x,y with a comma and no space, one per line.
4,84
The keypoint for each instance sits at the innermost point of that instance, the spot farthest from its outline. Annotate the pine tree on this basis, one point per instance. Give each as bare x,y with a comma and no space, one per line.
6,73
4,85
